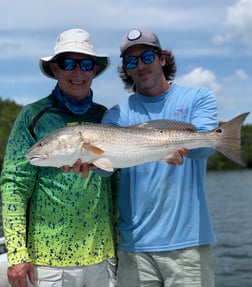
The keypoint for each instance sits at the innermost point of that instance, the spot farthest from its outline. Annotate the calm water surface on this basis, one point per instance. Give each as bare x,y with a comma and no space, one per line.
230,203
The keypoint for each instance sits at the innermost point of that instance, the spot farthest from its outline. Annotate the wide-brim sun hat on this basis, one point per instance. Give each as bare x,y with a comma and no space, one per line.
76,41
138,36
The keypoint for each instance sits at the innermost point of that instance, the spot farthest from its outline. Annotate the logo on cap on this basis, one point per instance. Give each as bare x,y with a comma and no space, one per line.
134,35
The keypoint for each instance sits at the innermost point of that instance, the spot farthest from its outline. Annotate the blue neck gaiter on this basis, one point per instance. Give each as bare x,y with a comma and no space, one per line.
78,107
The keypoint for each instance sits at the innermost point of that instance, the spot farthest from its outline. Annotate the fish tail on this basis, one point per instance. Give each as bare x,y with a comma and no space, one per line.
229,143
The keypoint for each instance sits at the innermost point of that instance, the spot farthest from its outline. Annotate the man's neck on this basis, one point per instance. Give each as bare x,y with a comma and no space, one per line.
156,91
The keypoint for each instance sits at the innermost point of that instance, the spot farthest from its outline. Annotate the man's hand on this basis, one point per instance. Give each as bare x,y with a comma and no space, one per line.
177,156
78,167
18,274
173,158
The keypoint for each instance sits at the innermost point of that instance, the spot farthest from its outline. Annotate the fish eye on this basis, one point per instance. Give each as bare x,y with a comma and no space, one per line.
219,131
41,144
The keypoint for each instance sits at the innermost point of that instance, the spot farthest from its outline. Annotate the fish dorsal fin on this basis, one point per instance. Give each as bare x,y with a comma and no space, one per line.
166,124
96,151
103,163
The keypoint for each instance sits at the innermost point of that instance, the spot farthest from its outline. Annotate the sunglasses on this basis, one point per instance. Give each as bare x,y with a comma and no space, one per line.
69,64
146,57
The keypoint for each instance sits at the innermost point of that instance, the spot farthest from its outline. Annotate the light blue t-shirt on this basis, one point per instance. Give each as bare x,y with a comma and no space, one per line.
163,207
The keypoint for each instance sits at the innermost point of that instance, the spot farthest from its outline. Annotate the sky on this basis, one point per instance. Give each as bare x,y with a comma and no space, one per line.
211,42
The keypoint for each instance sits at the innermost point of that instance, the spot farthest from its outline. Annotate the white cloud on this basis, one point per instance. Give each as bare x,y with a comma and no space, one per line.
26,23
239,74
200,77
239,14
237,24
111,14
28,31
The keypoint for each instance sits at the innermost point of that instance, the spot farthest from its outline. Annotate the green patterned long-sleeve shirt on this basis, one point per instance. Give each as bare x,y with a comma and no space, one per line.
51,217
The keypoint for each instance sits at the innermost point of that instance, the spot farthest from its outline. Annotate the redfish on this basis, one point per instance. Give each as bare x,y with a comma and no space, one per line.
109,147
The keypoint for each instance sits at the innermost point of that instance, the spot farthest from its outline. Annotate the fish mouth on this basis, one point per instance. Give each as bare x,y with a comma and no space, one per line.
34,158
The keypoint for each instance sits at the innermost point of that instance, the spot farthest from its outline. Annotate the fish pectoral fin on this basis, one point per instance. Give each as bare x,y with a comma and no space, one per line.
103,163
96,151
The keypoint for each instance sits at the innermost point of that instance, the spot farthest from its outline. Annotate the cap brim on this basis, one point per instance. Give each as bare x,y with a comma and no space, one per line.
138,43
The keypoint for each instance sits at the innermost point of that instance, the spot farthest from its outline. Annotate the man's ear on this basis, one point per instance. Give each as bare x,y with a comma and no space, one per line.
162,59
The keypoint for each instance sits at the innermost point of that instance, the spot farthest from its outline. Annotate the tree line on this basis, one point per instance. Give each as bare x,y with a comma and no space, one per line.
9,111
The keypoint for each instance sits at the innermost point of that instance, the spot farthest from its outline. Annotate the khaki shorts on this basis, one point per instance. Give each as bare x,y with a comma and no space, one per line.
102,275
190,267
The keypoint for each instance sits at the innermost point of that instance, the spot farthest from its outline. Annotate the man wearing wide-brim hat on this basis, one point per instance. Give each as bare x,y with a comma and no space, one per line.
75,41
58,227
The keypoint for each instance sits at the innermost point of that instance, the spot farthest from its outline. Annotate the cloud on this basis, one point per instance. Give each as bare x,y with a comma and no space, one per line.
178,23
238,23
44,14
200,77
28,30
239,74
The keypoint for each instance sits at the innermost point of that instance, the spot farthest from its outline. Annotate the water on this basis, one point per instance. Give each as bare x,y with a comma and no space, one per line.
230,203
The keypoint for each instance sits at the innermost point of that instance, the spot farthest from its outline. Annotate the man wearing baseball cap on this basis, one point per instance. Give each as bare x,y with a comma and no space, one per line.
164,225
58,228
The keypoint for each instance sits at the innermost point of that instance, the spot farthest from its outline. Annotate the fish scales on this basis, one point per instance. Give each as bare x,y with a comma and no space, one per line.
110,147
151,144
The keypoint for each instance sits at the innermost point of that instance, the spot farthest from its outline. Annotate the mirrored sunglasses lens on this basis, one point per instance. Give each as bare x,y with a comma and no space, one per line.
148,57
86,65
130,62
67,64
